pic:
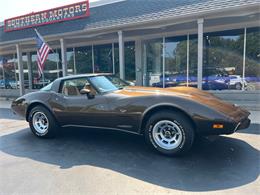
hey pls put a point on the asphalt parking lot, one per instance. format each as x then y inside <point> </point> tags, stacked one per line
<point>93,162</point>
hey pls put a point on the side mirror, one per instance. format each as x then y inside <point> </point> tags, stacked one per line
<point>87,92</point>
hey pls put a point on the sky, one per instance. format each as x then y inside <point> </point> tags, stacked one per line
<point>12,8</point>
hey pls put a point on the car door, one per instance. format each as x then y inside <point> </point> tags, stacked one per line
<point>123,114</point>
<point>75,109</point>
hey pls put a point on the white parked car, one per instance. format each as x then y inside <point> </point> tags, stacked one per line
<point>236,82</point>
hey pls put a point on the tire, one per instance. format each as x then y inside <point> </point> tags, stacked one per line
<point>238,86</point>
<point>179,129</point>
<point>42,122</point>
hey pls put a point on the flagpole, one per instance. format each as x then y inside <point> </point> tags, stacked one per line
<point>43,78</point>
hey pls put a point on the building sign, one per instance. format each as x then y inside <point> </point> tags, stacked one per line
<point>68,12</point>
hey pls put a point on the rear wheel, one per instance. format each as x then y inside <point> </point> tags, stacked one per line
<point>42,122</point>
<point>238,86</point>
<point>169,132</point>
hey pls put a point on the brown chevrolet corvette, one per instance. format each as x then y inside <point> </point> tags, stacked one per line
<point>169,119</point>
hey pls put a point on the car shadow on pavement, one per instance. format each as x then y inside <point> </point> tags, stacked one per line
<point>6,113</point>
<point>218,164</point>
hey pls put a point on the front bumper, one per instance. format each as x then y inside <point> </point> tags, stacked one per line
<point>243,124</point>
<point>231,125</point>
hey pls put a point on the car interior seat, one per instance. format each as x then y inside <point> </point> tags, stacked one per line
<point>70,90</point>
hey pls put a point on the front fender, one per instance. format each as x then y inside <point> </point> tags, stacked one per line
<point>195,111</point>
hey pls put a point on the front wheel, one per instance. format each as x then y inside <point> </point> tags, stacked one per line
<point>238,86</point>
<point>42,122</point>
<point>169,133</point>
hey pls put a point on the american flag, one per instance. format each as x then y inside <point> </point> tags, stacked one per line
<point>42,52</point>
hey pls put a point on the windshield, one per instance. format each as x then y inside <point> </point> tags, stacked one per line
<point>107,83</point>
<point>119,83</point>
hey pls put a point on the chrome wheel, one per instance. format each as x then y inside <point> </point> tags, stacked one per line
<point>167,134</point>
<point>40,122</point>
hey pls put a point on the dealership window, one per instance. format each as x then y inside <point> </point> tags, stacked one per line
<point>153,61</point>
<point>181,61</point>
<point>252,59</point>
<point>175,61</point>
<point>103,58</point>
<point>8,66</point>
<point>129,48</point>
<point>130,61</point>
<point>223,60</point>
<point>71,68</point>
<point>179,56</point>
<point>116,59</point>
<point>192,64</point>
<point>51,71</point>
<point>83,60</point>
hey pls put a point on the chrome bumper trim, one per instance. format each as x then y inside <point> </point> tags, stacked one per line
<point>236,128</point>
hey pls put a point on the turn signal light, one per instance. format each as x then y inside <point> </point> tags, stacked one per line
<point>218,126</point>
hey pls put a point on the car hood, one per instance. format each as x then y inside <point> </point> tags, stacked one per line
<point>191,93</point>
<point>188,92</point>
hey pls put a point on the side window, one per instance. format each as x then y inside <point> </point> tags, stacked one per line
<point>72,87</point>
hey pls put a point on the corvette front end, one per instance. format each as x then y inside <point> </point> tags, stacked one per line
<point>228,119</point>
